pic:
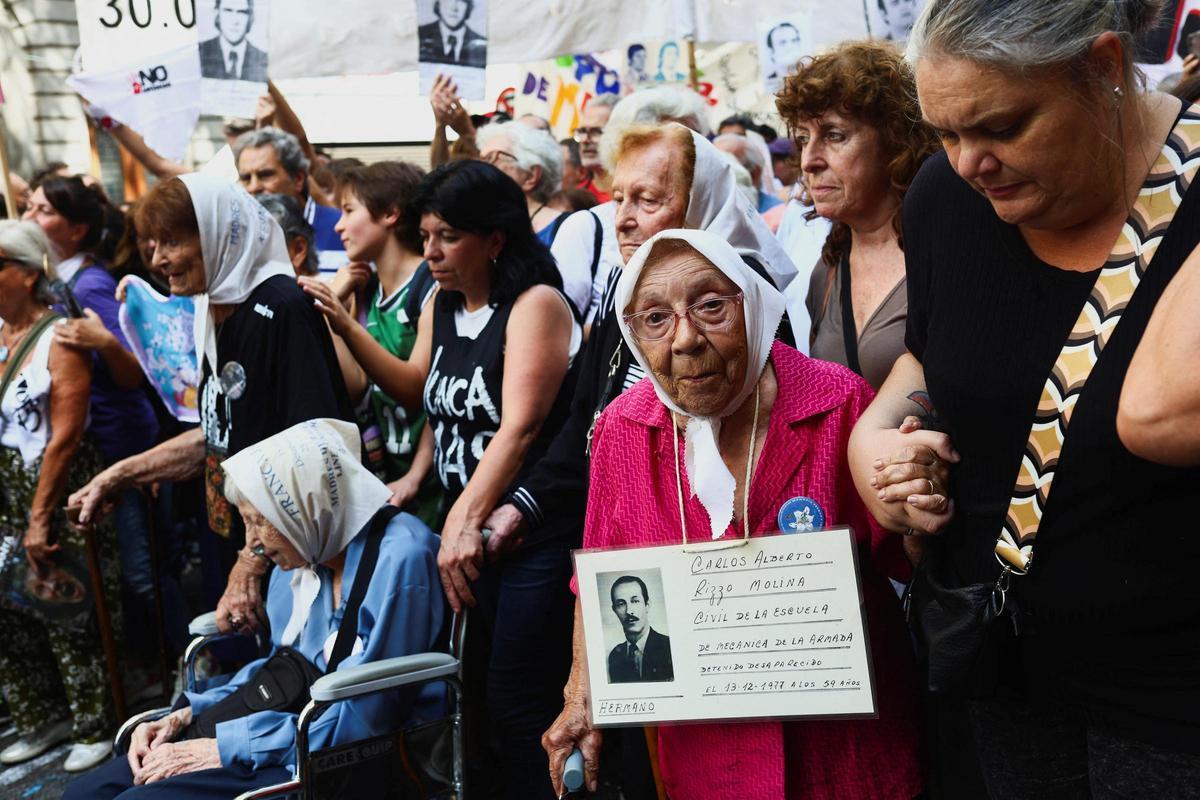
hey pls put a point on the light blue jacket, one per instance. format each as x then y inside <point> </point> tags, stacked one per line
<point>401,614</point>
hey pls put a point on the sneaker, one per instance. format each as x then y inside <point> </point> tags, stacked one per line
<point>35,744</point>
<point>85,756</point>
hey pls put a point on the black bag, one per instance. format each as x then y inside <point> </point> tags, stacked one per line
<point>955,630</point>
<point>415,763</point>
<point>283,681</point>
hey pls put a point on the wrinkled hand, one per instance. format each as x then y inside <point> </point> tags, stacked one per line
<point>573,729</point>
<point>351,278</point>
<point>38,550</point>
<point>169,760</point>
<point>459,558</point>
<point>404,491</point>
<point>86,333</point>
<point>448,109</point>
<point>93,499</point>
<point>240,607</point>
<point>506,524</point>
<point>150,735</point>
<point>918,474</point>
<point>328,304</point>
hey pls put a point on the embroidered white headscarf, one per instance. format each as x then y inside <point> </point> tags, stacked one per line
<point>762,307</point>
<point>310,483</point>
<point>242,245</point>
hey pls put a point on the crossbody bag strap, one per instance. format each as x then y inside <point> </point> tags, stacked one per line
<point>1144,231</point>
<point>348,630</point>
<point>27,344</point>
<point>849,328</point>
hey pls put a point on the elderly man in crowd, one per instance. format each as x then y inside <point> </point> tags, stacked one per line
<point>272,161</point>
<point>591,127</point>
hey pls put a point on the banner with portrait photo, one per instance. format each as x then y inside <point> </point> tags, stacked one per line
<point>1161,54</point>
<point>893,20</point>
<point>782,42</point>
<point>233,43</point>
<point>452,40</point>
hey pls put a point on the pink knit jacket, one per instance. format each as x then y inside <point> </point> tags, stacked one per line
<point>632,500</point>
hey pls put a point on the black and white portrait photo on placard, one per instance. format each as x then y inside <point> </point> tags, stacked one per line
<point>452,41</point>
<point>635,630</point>
<point>782,42</point>
<point>233,37</point>
<point>894,19</point>
<point>230,55</point>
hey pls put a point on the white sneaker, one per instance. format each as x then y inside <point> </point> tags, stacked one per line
<point>85,756</point>
<point>35,744</point>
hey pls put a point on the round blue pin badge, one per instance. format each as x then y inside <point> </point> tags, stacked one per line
<point>801,515</point>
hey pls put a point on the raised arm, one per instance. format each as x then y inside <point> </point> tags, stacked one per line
<point>1159,415</point>
<point>286,120</point>
<point>159,166</point>
<point>900,472</point>
<point>537,341</point>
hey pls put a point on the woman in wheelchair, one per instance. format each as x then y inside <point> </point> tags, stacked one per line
<point>320,516</point>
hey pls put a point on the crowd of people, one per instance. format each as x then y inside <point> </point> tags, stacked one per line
<point>419,392</point>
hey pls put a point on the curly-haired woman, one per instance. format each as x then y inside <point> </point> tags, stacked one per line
<point>856,122</point>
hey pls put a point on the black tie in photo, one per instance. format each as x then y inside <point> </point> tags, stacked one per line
<point>453,41</point>
<point>633,665</point>
<point>233,70</point>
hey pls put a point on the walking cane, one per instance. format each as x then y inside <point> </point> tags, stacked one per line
<point>156,577</point>
<point>106,636</point>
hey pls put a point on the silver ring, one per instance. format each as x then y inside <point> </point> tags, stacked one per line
<point>930,482</point>
<point>235,621</point>
<point>910,532</point>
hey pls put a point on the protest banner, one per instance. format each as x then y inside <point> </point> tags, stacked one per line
<point>159,331</point>
<point>114,32</point>
<point>233,49</point>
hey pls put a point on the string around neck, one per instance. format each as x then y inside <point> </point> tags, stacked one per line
<point>720,544</point>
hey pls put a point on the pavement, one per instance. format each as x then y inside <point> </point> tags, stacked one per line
<point>43,777</point>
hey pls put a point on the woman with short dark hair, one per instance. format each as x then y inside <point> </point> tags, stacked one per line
<point>488,366</point>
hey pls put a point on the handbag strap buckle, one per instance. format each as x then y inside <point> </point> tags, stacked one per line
<point>1000,590</point>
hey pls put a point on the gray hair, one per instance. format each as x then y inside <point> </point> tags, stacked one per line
<point>532,148</point>
<point>290,216</point>
<point>287,148</point>
<point>25,243</point>
<point>1024,35</point>
<point>652,107</point>
<point>751,158</point>
<point>608,99</point>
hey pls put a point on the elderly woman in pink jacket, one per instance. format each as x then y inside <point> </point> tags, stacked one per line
<point>736,411</point>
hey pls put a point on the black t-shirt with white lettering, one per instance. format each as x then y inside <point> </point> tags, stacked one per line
<point>464,394</point>
<point>291,374</point>
<point>1114,604</point>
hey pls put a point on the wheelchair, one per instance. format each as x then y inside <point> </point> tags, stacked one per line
<point>425,761</point>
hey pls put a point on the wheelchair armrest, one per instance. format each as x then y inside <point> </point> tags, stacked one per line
<point>121,740</point>
<point>376,676</point>
<point>204,625</point>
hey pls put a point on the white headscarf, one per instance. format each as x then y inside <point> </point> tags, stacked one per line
<point>242,245</point>
<point>716,205</point>
<point>762,308</point>
<point>310,483</point>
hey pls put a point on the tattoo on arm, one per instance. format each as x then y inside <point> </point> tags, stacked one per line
<point>928,415</point>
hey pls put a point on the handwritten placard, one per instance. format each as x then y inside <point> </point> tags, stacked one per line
<point>772,629</point>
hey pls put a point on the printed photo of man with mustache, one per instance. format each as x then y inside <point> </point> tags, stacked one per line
<point>645,655</point>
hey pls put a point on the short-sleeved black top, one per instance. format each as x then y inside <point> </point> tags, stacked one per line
<point>1113,593</point>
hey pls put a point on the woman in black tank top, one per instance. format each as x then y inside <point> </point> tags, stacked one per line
<point>488,368</point>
